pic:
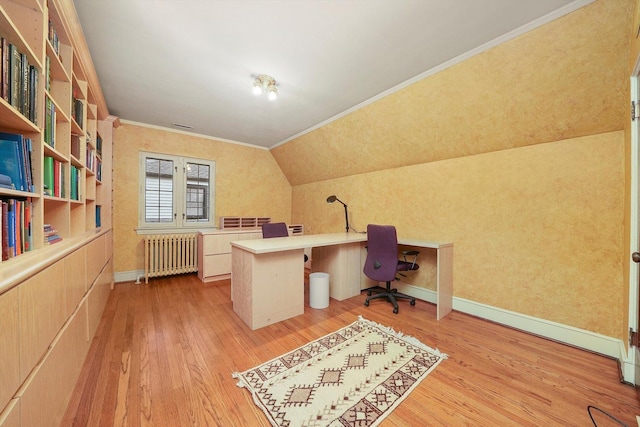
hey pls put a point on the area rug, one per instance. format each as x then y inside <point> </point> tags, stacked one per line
<point>353,377</point>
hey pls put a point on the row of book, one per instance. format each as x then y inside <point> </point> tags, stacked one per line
<point>16,169</point>
<point>98,142</point>
<point>75,183</point>
<point>98,216</point>
<point>15,227</point>
<point>92,158</point>
<point>50,122</point>
<point>18,80</point>
<point>99,170</point>
<point>51,235</point>
<point>77,111</point>
<point>52,35</point>
<point>54,177</point>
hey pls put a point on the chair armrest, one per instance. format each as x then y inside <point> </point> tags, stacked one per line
<point>412,253</point>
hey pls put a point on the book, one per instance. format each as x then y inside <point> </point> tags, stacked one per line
<point>10,162</point>
<point>28,148</point>
<point>98,216</point>
<point>11,229</point>
<point>75,146</point>
<point>74,181</point>
<point>28,237</point>
<point>24,85</point>
<point>5,230</point>
<point>50,123</point>
<point>24,171</point>
<point>18,214</point>
<point>15,76</point>
<point>48,175</point>
<point>33,95</point>
<point>57,167</point>
<point>4,87</point>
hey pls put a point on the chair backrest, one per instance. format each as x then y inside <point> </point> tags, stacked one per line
<point>382,253</point>
<point>274,229</point>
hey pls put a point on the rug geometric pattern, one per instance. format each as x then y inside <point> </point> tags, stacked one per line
<point>353,377</point>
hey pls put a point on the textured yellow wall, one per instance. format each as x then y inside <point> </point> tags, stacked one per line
<point>517,155</point>
<point>536,230</point>
<point>248,182</point>
<point>563,80</point>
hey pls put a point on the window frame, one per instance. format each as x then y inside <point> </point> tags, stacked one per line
<point>179,193</point>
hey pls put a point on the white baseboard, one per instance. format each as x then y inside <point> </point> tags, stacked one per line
<point>128,276</point>
<point>570,335</point>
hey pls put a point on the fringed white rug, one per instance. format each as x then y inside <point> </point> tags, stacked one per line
<point>353,377</point>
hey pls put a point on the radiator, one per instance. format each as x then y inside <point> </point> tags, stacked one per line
<point>168,254</point>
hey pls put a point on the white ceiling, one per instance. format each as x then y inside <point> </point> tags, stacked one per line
<point>192,62</point>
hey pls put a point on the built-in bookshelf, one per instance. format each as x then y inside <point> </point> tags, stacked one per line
<point>56,268</point>
<point>47,101</point>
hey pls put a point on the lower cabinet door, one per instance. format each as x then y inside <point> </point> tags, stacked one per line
<point>215,265</point>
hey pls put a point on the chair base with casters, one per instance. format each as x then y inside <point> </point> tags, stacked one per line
<point>392,296</point>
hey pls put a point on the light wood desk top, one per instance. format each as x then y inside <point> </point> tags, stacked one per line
<point>277,244</point>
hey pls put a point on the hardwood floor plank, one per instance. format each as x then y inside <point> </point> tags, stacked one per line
<point>167,351</point>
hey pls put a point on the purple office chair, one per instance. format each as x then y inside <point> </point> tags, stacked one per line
<point>274,229</point>
<point>277,229</point>
<point>382,264</point>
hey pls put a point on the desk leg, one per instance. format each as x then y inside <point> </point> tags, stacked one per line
<point>445,281</point>
<point>342,262</point>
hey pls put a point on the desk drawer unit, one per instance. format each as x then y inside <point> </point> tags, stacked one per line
<point>214,253</point>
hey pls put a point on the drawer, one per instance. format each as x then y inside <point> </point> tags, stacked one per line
<point>215,265</point>
<point>218,243</point>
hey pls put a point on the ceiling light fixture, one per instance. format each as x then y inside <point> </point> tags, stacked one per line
<point>265,84</point>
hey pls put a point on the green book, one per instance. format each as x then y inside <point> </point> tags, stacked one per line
<point>48,175</point>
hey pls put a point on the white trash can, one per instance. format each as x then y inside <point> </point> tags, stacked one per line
<point>319,290</point>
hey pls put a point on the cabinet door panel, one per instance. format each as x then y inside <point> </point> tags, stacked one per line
<point>74,277</point>
<point>215,265</point>
<point>9,345</point>
<point>42,314</point>
<point>48,389</point>
<point>11,415</point>
<point>96,258</point>
<point>98,296</point>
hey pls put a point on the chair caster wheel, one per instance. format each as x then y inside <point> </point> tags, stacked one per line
<point>368,293</point>
<point>413,302</point>
<point>395,310</point>
<point>366,303</point>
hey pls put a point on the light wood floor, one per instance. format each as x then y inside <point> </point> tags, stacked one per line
<point>164,354</point>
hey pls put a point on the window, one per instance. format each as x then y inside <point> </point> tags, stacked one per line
<point>178,192</point>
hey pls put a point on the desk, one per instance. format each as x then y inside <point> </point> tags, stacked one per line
<point>267,275</point>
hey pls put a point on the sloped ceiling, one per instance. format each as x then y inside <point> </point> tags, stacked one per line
<point>192,62</point>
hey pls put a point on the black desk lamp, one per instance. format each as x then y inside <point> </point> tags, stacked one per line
<point>332,199</point>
